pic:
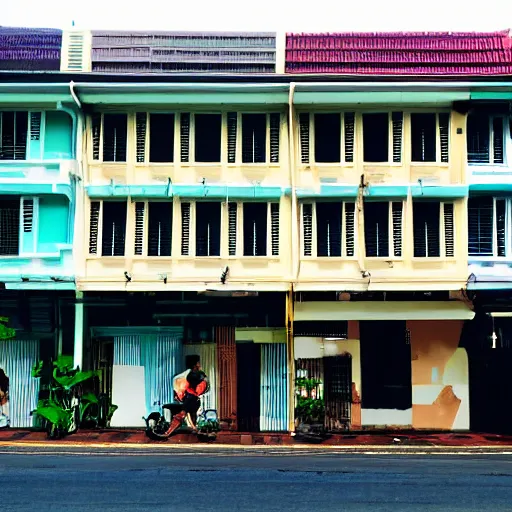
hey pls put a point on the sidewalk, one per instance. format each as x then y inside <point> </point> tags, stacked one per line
<point>399,438</point>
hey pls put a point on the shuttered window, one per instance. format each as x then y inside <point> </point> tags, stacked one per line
<point>397,222</point>
<point>423,137</point>
<point>115,133</point>
<point>307,228</point>
<point>94,222</point>
<point>113,228</point>
<point>397,119</point>
<point>232,228</point>
<point>159,228</point>
<point>255,229</point>
<point>485,139</point>
<point>28,214</point>
<point>208,217</point>
<point>140,135</point>
<point>207,137</point>
<point>349,124</point>
<point>185,137</point>
<point>161,138</point>
<point>9,226</point>
<point>275,137</point>
<point>35,125</point>
<point>304,137</point>
<point>254,138</point>
<point>328,229</point>
<point>274,228</point>
<point>376,229</point>
<point>487,226</point>
<point>232,132</point>
<point>376,137</point>
<point>429,217</point>
<point>185,229</point>
<point>13,135</point>
<point>140,211</point>
<point>327,138</point>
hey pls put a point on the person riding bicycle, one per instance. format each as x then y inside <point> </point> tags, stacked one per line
<point>190,386</point>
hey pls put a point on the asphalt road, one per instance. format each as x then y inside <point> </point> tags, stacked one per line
<point>189,480</point>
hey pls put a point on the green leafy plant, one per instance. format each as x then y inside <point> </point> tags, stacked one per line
<point>6,333</point>
<point>308,408</point>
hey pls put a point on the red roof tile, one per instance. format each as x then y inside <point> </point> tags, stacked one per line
<point>423,53</point>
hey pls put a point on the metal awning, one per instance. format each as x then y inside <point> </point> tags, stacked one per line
<point>399,310</point>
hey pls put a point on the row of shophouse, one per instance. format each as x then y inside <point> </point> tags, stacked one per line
<point>336,236</point>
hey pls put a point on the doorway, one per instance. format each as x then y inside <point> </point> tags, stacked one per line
<point>248,357</point>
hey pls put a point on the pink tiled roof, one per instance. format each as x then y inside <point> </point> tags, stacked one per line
<point>407,53</point>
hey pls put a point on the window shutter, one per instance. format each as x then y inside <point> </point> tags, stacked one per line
<point>328,229</point>
<point>397,120</point>
<point>94,227</point>
<point>232,219</point>
<point>159,228</point>
<point>139,227</point>
<point>28,215</point>
<point>35,126</point>
<point>480,226</point>
<point>141,120</point>
<point>449,235</point>
<point>113,228</point>
<point>208,227</point>
<point>426,229</point>
<point>185,229</point>
<point>232,128</point>
<point>444,130</point>
<point>396,212</point>
<point>376,229</point>
<point>307,221</point>
<point>350,234</point>
<point>255,224</point>
<point>275,124</point>
<point>96,136</point>
<point>349,136</point>
<point>304,138</point>
<point>274,226</point>
<point>497,138</point>
<point>185,137</point>
<point>501,227</point>
<point>10,219</point>
<point>478,138</point>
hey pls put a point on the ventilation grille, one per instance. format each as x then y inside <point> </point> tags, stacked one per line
<point>274,220</point>
<point>232,128</point>
<point>349,136</point>
<point>275,123</point>
<point>232,219</point>
<point>397,120</point>
<point>185,137</point>
<point>307,221</point>
<point>449,234</point>
<point>350,228</point>
<point>75,52</point>
<point>185,229</point>
<point>497,140</point>
<point>35,125</point>
<point>444,128</point>
<point>94,227</point>
<point>28,215</point>
<point>141,120</point>
<point>96,136</point>
<point>304,138</point>
<point>139,228</point>
<point>396,212</point>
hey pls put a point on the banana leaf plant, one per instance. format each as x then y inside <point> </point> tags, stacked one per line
<point>6,333</point>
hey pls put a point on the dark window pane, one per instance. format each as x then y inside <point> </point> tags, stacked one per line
<point>328,229</point>
<point>161,137</point>
<point>376,137</point>
<point>207,130</point>
<point>254,138</point>
<point>255,229</point>
<point>208,229</point>
<point>327,138</point>
<point>423,137</point>
<point>376,229</point>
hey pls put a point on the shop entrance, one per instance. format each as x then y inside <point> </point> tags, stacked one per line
<point>248,357</point>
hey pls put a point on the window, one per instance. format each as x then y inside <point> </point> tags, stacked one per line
<point>427,231</point>
<point>207,137</point>
<point>113,227</point>
<point>380,220</point>
<point>113,128</point>
<point>334,229</point>
<point>161,137</point>
<point>327,138</point>
<point>13,135</point>
<point>487,226</point>
<point>376,137</point>
<point>208,217</point>
<point>254,138</point>
<point>426,129</point>
<point>9,226</point>
<point>255,229</point>
<point>485,139</point>
<point>159,228</point>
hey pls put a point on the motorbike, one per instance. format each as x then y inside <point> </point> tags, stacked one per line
<point>206,428</point>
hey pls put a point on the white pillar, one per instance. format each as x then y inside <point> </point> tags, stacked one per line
<point>78,353</point>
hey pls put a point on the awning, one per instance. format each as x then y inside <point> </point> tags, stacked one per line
<point>399,310</point>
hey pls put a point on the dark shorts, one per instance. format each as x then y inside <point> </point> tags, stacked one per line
<point>191,403</point>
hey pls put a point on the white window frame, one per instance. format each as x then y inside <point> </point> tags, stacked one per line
<point>506,143</point>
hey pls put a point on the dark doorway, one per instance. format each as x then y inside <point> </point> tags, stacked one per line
<point>385,365</point>
<point>248,386</point>
<point>338,392</point>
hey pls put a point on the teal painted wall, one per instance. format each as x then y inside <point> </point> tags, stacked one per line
<point>53,223</point>
<point>58,136</point>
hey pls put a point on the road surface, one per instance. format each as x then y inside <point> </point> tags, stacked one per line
<point>223,480</point>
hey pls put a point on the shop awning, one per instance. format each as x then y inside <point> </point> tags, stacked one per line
<point>399,310</point>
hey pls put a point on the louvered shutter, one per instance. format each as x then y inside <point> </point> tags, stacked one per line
<point>10,226</point>
<point>349,136</point>
<point>96,136</point>
<point>94,220</point>
<point>141,120</point>
<point>497,140</point>
<point>35,126</point>
<point>478,138</point>
<point>397,121</point>
<point>396,212</point>
<point>307,222</point>
<point>208,228</point>
<point>232,129</point>
<point>274,228</point>
<point>304,138</point>
<point>185,229</point>
<point>139,227</point>
<point>275,126</point>
<point>113,228</point>
<point>376,229</point>
<point>350,226</point>
<point>232,228</point>
<point>185,137</point>
<point>328,229</point>
<point>28,215</point>
<point>254,138</point>
<point>159,228</point>
<point>480,226</point>
<point>255,229</point>
<point>426,229</point>
<point>501,229</point>
<point>115,133</point>
<point>444,131</point>
<point>449,234</point>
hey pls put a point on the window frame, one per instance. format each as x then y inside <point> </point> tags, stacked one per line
<point>147,140</point>
<point>506,138</point>
<point>145,229</point>
<point>99,241</point>
<point>100,159</point>
<point>29,142</point>
<point>438,161</point>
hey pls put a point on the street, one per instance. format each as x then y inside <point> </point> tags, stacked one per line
<point>198,480</point>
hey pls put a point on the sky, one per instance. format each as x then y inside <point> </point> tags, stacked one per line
<point>261,15</point>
